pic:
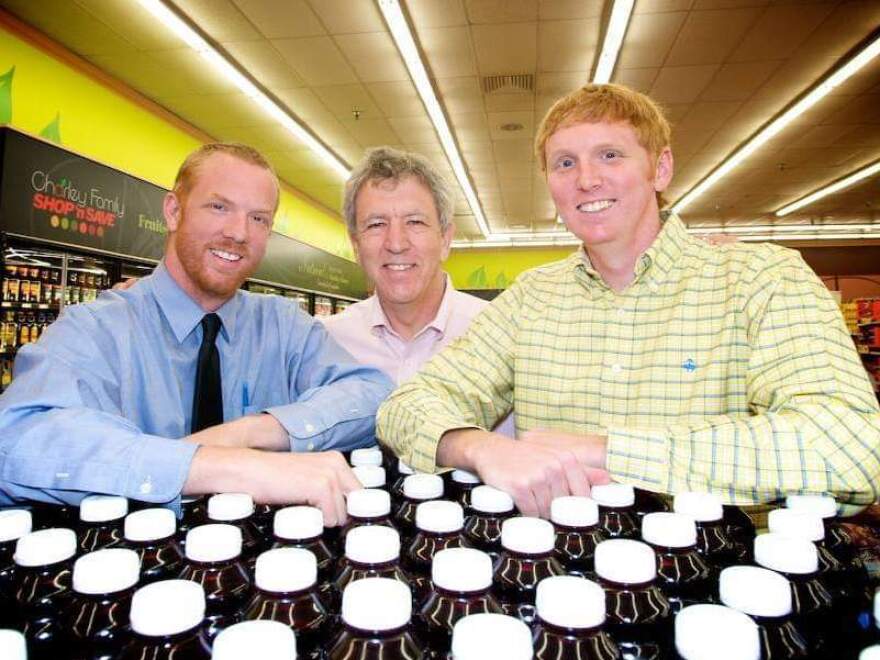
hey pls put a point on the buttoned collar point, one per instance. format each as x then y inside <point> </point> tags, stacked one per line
<point>182,312</point>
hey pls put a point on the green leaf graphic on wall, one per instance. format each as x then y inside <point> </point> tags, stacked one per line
<point>6,96</point>
<point>501,281</point>
<point>52,131</point>
<point>478,279</point>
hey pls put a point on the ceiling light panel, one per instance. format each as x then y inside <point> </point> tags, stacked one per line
<point>846,182</point>
<point>617,24</point>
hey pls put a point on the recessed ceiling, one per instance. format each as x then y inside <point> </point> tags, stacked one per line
<point>721,69</point>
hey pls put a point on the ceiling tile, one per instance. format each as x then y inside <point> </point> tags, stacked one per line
<point>461,95</point>
<point>567,45</point>
<point>317,60</point>
<point>681,84</point>
<point>373,56</point>
<point>499,119</point>
<point>347,17</point>
<point>371,132</point>
<point>649,38</point>
<point>222,19</point>
<point>282,20</point>
<point>737,81</point>
<point>497,102</point>
<point>779,31</point>
<point>510,48</point>
<point>708,37</point>
<point>130,20</point>
<point>396,99</point>
<point>512,150</point>
<point>471,127</point>
<point>639,79</point>
<point>303,102</point>
<point>413,129</point>
<point>501,11</point>
<point>661,6</point>
<point>436,13</point>
<point>448,51</point>
<point>264,63</point>
<point>562,10</point>
<point>343,100</point>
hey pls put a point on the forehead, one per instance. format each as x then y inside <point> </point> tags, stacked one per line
<point>592,133</point>
<point>406,194</point>
<point>225,175</point>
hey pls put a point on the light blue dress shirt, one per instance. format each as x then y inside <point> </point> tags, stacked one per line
<point>100,402</point>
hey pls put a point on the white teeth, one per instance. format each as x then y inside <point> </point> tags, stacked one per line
<point>595,207</point>
<point>400,266</point>
<point>228,256</point>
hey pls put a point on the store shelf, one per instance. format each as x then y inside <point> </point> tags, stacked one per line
<point>868,324</point>
<point>14,304</point>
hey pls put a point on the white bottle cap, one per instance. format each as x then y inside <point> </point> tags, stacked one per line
<point>715,632</point>
<point>372,544</point>
<point>870,653</point>
<point>296,523</point>
<point>44,547</point>
<point>283,570</point>
<point>755,591</point>
<point>168,607</point>
<point>263,639</point>
<point>102,508</point>
<point>106,571</point>
<point>366,456</point>
<point>230,506</point>
<point>484,635</point>
<point>799,524</point>
<point>574,511</point>
<point>669,530</point>
<point>440,516</point>
<point>462,569</point>
<point>368,503</point>
<point>487,499</point>
<point>215,542</point>
<point>613,495</point>
<point>376,603</point>
<point>403,468</point>
<point>14,523</point>
<point>625,561</point>
<point>423,486</point>
<point>554,598</point>
<point>528,536</point>
<point>702,507</point>
<point>370,476</point>
<point>823,506</point>
<point>786,554</point>
<point>12,645</point>
<point>465,477</point>
<point>150,525</point>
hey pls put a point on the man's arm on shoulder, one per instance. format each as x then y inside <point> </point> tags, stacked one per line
<point>815,423</point>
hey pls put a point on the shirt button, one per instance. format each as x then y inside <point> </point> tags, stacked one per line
<point>621,311</point>
<point>311,446</point>
<point>146,488</point>
<point>616,368</point>
<point>309,428</point>
<point>653,285</point>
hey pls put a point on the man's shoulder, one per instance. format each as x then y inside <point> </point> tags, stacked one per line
<point>548,274</point>
<point>353,311</point>
<point>747,256</point>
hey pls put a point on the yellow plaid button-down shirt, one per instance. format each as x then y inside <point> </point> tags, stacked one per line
<point>722,368</point>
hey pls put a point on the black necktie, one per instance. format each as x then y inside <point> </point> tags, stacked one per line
<point>207,407</point>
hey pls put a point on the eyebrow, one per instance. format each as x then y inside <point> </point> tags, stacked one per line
<point>217,197</point>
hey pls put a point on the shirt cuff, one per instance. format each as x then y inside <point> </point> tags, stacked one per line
<point>159,470</point>
<point>310,430</point>
<point>640,457</point>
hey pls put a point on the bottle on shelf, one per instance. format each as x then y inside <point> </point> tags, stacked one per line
<point>417,488</point>
<point>713,538</point>
<point>367,506</point>
<point>618,517</point>
<point>151,533</point>
<point>238,509</point>
<point>460,485</point>
<point>490,507</point>
<point>14,523</point>
<point>303,527</point>
<point>102,518</point>
<point>576,521</point>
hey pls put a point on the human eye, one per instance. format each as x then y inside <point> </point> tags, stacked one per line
<point>374,224</point>
<point>563,163</point>
<point>217,205</point>
<point>262,219</point>
<point>611,154</point>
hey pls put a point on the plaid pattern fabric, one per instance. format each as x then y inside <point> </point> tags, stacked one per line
<point>722,368</point>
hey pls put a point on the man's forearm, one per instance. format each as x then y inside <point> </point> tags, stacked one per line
<point>458,446</point>
<point>252,431</point>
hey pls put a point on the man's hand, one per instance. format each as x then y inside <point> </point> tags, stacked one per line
<point>321,479</point>
<point>533,473</point>
<point>261,431</point>
<point>589,449</point>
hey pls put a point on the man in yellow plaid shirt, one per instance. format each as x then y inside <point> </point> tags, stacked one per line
<point>648,356</point>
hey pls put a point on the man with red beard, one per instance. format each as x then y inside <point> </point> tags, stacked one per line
<point>183,384</point>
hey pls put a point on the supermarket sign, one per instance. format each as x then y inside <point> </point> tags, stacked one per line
<point>50,194</point>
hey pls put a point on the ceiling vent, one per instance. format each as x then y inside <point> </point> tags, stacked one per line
<point>523,82</point>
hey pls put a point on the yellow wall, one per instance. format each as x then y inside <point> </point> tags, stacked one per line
<point>496,269</point>
<point>42,95</point>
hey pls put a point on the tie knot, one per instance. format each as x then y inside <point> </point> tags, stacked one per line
<point>210,326</point>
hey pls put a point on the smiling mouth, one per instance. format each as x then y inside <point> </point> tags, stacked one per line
<point>399,267</point>
<point>226,256</point>
<point>595,207</point>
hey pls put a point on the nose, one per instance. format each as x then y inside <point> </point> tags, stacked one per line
<point>588,176</point>
<point>396,236</point>
<point>236,227</point>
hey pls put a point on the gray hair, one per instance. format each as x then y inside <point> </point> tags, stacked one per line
<point>388,164</point>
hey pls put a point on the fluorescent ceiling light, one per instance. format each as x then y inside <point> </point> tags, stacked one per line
<point>228,70</point>
<point>830,189</point>
<point>802,228</point>
<point>816,94</point>
<point>617,25</point>
<point>406,46</point>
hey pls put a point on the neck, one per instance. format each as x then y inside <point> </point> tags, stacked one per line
<point>207,301</point>
<point>409,319</point>
<point>616,263</point>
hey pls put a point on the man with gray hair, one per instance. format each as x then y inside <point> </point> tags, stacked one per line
<point>398,210</point>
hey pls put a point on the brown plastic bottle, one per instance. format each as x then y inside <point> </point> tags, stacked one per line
<point>238,509</point>
<point>702,630</point>
<point>526,559</point>
<point>576,521</point>
<point>460,486</point>
<point>648,502</point>
<point>151,533</point>
<point>396,489</point>
<point>370,551</point>
<point>713,540</point>
<point>214,561</point>
<point>618,518</point>
<point>303,527</point>
<point>367,506</point>
<point>766,597</point>
<point>14,523</point>
<point>42,583</point>
<point>741,530</point>
<point>683,574</point>
<point>287,592</point>
<point>167,623</point>
<point>258,639</point>
<point>490,507</point>
<point>439,524</point>
<point>569,625</point>
<point>97,622</point>
<point>462,586</point>
<point>489,635</point>
<point>101,519</point>
<point>812,603</point>
<point>194,512</point>
<point>373,633</point>
<point>417,488</point>
<point>639,618</point>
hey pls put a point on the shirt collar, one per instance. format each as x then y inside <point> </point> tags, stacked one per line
<point>378,320</point>
<point>182,312</point>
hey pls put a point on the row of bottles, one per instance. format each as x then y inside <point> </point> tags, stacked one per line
<point>33,284</point>
<point>20,328</point>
